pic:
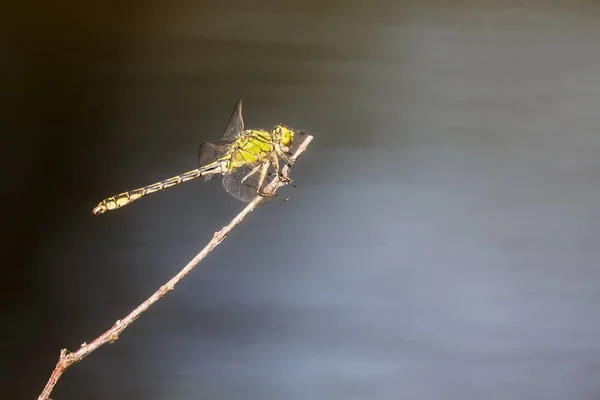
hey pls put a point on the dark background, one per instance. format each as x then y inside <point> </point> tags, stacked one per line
<point>442,243</point>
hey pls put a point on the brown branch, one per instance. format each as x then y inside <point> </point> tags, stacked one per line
<point>67,358</point>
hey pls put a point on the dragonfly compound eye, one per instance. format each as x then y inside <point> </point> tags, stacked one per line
<point>286,135</point>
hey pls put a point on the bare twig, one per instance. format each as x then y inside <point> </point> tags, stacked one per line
<point>67,358</point>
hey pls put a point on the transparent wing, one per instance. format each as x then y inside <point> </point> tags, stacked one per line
<point>243,182</point>
<point>207,153</point>
<point>235,126</point>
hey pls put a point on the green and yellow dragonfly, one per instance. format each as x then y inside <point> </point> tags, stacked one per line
<point>244,160</point>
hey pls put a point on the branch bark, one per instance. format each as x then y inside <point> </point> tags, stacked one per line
<point>67,358</point>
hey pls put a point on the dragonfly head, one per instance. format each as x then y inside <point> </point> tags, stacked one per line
<point>284,135</point>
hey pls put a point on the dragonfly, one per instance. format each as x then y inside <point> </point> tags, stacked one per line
<point>247,159</point>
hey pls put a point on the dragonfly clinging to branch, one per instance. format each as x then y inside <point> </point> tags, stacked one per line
<point>244,159</point>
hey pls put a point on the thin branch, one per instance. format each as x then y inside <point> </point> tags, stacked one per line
<point>67,358</point>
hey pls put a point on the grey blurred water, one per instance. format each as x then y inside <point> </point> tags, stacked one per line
<point>442,241</point>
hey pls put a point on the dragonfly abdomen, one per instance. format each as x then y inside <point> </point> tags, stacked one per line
<point>122,199</point>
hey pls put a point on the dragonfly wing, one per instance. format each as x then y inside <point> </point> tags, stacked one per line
<point>207,153</point>
<point>235,126</point>
<point>243,182</point>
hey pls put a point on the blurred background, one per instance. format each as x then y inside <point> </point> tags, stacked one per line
<point>442,242</point>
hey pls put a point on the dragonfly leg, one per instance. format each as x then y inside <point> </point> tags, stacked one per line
<point>287,159</point>
<point>265,194</point>
<point>282,178</point>
<point>263,174</point>
<point>254,170</point>
<point>285,179</point>
<point>285,155</point>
